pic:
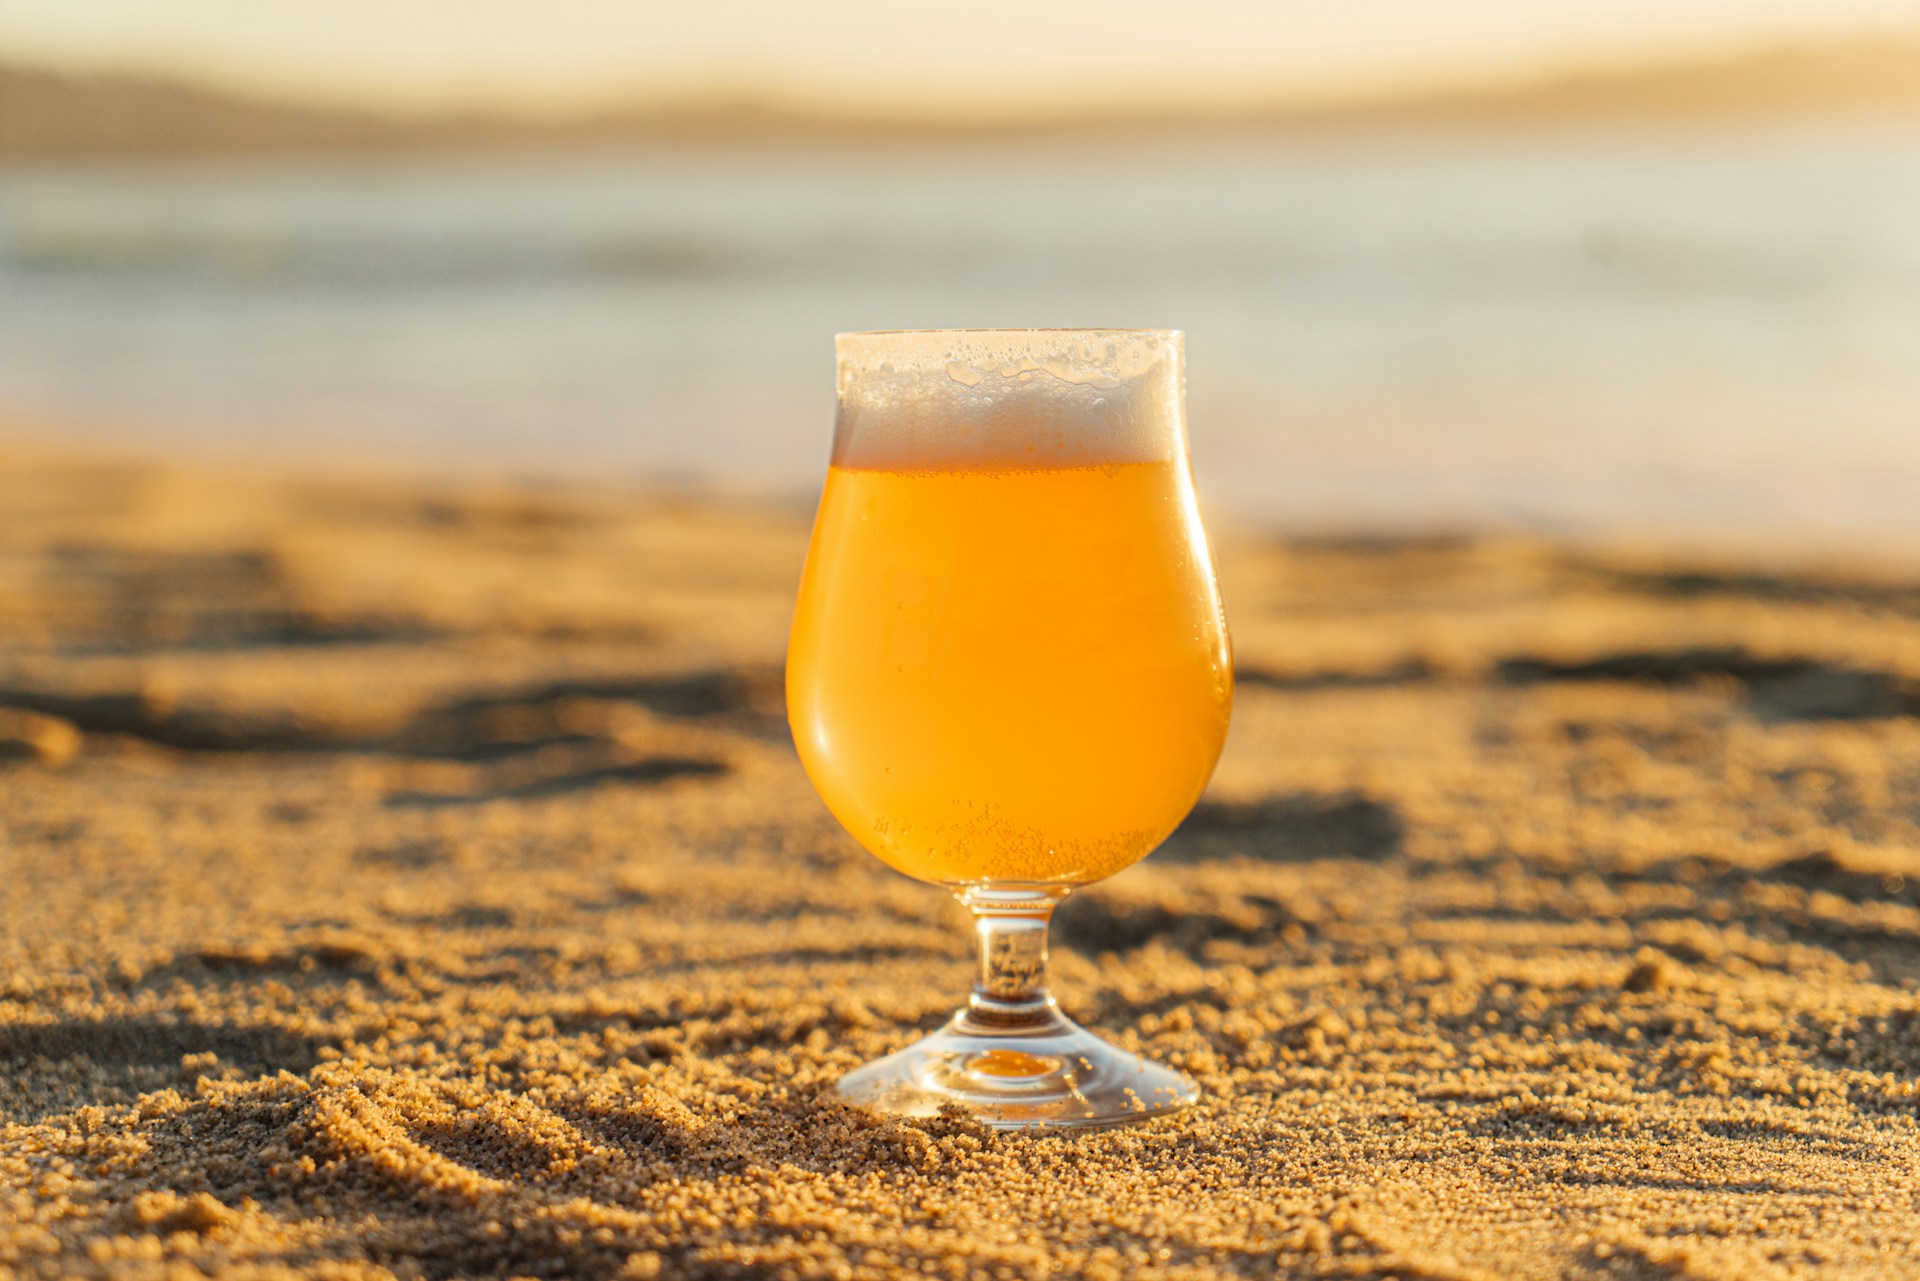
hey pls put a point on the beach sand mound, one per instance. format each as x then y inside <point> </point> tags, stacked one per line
<point>409,882</point>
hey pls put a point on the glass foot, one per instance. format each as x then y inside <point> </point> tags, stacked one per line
<point>1052,1073</point>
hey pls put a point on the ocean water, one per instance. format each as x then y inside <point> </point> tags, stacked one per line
<point>1710,329</point>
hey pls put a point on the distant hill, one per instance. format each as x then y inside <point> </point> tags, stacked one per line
<point>1864,76</point>
<point>44,113</point>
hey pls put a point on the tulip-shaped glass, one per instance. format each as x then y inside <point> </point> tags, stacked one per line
<point>1009,672</point>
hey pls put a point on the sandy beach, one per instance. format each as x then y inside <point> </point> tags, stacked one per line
<point>417,880</point>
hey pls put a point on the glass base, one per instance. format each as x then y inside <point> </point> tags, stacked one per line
<point>1046,1073</point>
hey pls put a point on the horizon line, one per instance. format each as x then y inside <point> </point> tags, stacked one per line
<point>741,96</point>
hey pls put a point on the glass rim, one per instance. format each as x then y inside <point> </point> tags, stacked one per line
<point>1031,329</point>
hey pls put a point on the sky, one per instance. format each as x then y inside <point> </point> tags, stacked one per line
<point>564,55</point>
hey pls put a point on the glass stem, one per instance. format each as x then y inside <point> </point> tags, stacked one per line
<point>1010,991</point>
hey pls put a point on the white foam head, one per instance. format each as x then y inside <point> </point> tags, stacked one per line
<point>934,399</point>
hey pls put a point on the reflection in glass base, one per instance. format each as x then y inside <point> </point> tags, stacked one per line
<point>1054,1074</point>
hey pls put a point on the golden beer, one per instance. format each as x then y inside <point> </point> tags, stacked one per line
<point>1009,674</point>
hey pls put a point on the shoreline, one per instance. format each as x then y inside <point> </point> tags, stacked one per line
<point>1807,549</point>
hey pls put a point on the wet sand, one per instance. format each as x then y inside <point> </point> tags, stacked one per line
<point>404,880</point>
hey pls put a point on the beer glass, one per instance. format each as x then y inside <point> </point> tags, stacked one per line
<point>1009,672</point>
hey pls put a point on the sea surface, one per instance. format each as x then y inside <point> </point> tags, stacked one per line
<point>1714,329</point>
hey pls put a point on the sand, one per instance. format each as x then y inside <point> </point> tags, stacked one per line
<point>417,880</point>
